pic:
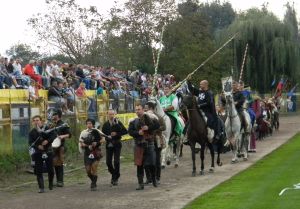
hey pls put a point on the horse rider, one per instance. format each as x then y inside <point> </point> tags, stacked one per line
<point>159,143</point>
<point>206,103</point>
<point>239,101</point>
<point>90,140</point>
<point>142,129</point>
<point>248,101</point>
<point>169,103</point>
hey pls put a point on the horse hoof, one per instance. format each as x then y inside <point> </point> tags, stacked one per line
<point>245,158</point>
<point>201,172</point>
<point>168,162</point>
<point>211,170</point>
<point>220,163</point>
<point>180,155</point>
<point>176,165</point>
<point>163,167</point>
<point>233,161</point>
<point>193,174</point>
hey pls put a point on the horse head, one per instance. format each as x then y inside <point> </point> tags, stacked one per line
<point>229,98</point>
<point>158,109</point>
<point>189,101</point>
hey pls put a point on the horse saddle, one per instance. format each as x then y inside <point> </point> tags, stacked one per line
<point>173,124</point>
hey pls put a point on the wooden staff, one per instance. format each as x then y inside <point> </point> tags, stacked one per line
<point>203,63</point>
<point>157,60</point>
<point>243,64</point>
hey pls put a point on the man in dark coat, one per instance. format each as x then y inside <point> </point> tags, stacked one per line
<point>142,129</point>
<point>206,103</point>
<point>115,130</point>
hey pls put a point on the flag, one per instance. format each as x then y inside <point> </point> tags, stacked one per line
<point>273,83</point>
<point>291,92</point>
<point>279,88</point>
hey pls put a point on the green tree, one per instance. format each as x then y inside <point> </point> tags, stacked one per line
<point>187,43</point>
<point>69,28</point>
<point>133,32</point>
<point>23,51</point>
<point>272,50</point>
<point>220,15</point>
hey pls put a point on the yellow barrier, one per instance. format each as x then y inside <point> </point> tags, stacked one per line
<point>124,118</point>
<point>12,99</point>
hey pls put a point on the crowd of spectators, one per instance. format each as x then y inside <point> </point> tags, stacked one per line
<point>68,82</point>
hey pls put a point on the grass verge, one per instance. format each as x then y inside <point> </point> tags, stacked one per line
<point>258,186</point>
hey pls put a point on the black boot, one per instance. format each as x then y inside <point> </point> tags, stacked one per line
<point>40,181</point>
<point>153,176</point>
<point>94,183</point>
<point>141,183</point>
<point>59,170</point>
<point>50,180</point>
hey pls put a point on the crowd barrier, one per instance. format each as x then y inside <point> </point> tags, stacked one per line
<point>16,110</point>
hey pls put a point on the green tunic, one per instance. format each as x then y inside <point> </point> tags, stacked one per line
<point>167,102</point>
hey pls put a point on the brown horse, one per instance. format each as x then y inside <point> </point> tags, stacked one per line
<point>197,133</point>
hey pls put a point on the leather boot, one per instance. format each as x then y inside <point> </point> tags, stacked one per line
<point>50,180</point>
<point>59,170</point>
<point>94,183</point>
<point>153,177</point>
<point>141,183</point>
<point>40,181</point>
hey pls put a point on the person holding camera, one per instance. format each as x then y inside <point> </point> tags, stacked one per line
<point>41,152</point>
<point>115,130</point>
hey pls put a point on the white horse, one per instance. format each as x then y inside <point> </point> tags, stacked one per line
<point>167,153</point>
<point>238,140</point>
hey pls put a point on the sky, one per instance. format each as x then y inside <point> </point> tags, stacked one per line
<point>14,28</point>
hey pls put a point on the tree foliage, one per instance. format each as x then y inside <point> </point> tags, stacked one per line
<point>272,50</point>
<point>68,27</point>
<point>24,52</point>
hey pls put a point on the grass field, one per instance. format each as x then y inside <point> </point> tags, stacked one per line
<point>258,187</point>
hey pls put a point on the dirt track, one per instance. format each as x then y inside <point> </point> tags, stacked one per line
<point>176,190</point>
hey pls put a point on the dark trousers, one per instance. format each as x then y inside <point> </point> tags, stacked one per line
<point>140,174</point>
<point>158,163</point>
<point>114,169</point>
<point>212,122</point>
<point>154,170</point>
<point>39,167</point>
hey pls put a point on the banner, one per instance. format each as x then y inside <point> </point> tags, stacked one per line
<point>226,83</point>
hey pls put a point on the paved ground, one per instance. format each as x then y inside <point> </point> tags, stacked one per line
<point>176,190</point>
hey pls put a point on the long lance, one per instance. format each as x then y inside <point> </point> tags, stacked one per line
<point>157,61</point>
<point>243,64</point>
<point>203,63</point>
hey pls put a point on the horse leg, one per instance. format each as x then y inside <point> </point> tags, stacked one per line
<point>192,145</point>
<point>202,158</point>
<point>212,155</point>
<point>163,157</point>
<point>246,144</point>
<point>181,147</point>
<point>219,150</point>
<point>234,150</point>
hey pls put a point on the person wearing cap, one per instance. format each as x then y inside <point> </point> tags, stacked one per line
<point>58,158</point>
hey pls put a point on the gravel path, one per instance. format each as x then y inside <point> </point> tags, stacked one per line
<point>176,190</point>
